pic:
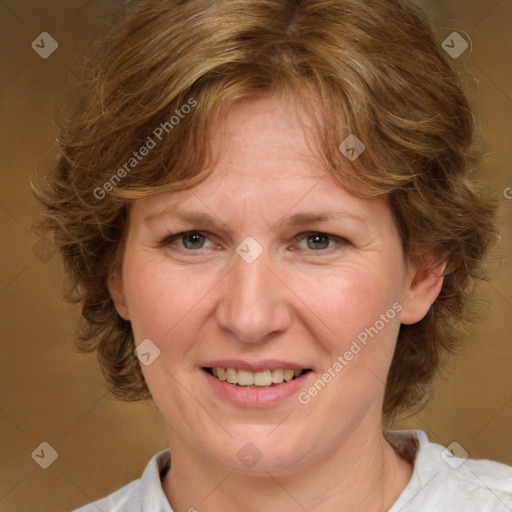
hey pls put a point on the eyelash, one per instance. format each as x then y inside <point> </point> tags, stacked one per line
<point>169,240</point>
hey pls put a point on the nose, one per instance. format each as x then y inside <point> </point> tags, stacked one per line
<point>255,302</point>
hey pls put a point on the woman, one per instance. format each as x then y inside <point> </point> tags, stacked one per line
<point>264,209</point>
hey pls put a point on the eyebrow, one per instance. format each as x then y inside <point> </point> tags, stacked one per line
<point>294,220</point>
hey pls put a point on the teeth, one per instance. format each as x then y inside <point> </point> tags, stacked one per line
<point>251,379</point>
<point>277,376</point>
<point>288,375</point>
<point>263,378</point>
<point>245,378</point>
<point>232,376</point>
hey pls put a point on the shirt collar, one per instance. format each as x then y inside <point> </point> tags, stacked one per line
<point>407,443</point>
<point>151,493</point>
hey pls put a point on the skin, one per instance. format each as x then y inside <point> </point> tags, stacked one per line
<point>295,302</point>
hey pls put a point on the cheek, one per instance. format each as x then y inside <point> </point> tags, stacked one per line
<point>167,304</point>
<point>351,299</point>
<point>359,312</point>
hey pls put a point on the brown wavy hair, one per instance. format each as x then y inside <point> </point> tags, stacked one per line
<point>371,68</point>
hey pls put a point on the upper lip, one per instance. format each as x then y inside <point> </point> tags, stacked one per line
<point>254,366</point>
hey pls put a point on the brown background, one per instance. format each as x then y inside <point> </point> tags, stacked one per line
<point>51,393</point>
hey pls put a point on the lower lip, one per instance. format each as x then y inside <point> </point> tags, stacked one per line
<point>254,397</point>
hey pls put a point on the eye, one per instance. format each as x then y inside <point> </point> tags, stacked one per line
<point>194,241</point>
<point>190,240</point>
<point>317,241</point>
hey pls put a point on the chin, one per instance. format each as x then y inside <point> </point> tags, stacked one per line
<point>259,455</point>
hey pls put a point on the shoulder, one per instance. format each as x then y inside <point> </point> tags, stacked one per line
<point>443,481</point>
<point>145,493</point>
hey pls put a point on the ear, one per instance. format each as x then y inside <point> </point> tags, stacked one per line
<point>423,287</point>
<point>115,286</point>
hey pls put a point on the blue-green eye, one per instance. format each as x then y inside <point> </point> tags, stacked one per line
<point>190,240</point>
<point>317,241</point>
<point>195,239</point>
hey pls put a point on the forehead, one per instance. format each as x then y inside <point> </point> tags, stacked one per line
<point>265,164</point>
<point>266,138</point>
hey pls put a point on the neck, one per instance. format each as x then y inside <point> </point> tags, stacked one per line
<point>364,473</point>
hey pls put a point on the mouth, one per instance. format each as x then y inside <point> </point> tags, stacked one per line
<point>259,380</point>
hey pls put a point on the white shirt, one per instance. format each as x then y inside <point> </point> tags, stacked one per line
<point>440,482</point>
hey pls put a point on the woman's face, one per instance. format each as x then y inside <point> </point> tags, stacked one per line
<point>262,284</point>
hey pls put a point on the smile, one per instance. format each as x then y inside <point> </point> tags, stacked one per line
<point>262,393</point>
<point>261,379</point>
